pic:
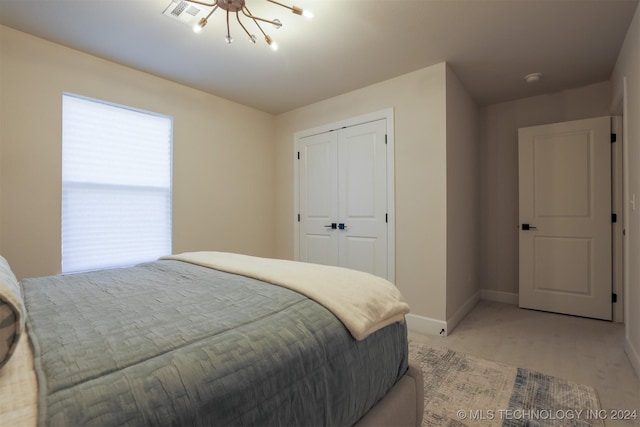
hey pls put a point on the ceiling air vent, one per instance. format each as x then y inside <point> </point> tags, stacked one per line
<point>185,12</point>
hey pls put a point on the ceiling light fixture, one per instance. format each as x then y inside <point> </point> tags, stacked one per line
<point>237,6</point>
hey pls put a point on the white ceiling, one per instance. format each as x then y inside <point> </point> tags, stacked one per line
<point>491,44</point>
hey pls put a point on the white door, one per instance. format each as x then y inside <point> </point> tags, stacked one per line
<point>362,198</point>
<point>318,157</point>
<point>565,217</point>
<point>343,198</point>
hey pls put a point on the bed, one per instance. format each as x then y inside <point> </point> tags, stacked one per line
<point>206,338</point>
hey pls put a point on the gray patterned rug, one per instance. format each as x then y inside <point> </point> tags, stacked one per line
<point>464,390</point>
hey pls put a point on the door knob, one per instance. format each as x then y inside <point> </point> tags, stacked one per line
<point>528,227</point>
<point>333,226</point>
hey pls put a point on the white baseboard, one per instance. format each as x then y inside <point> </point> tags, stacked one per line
<point>633,355</point>
<point>499,296</point>
<point>466,308</point>
<point>425,325</point>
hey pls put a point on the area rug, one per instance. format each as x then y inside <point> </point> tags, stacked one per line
<point>465,390</point>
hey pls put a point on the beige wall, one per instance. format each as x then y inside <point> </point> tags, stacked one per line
<point>463,198</point>
<point>418,100</point>
<point>223,156</point>
<point>627,72</point>
<point>499,166</point>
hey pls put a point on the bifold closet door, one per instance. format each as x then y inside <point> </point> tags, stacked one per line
<point>343,198</point>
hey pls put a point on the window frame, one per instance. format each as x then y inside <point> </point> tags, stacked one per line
<point>165,190</point>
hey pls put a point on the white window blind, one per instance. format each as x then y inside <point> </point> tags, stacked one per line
<point>116,185</point>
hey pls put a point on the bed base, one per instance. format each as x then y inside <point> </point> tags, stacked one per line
<point>402,406</point>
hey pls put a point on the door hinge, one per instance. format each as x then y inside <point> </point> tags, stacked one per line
<point>614,217</point>
<point>386,217</point>
<point>298,155</point>
<point>613,138</point>
<point>298,217</point>
<point>614,298</point>
<point>385,138</point>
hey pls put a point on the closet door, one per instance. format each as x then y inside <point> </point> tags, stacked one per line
<point>343,198</point>
<point>318,210</point>
<point>362,198</point>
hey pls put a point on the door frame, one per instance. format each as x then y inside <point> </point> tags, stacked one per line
<point>618,227</point>
<point>353,121</point>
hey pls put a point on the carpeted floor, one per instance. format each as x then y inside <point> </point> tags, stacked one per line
<point>465,390</point>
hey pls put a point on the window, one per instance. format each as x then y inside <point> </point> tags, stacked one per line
<point>116,185</point>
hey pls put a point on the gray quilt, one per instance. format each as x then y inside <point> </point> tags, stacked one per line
<point>171,343</point>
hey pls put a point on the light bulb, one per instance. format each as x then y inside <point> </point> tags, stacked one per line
<point>271,43</point>
<point>307,14</point>
<point>228,39</point>
<point>253,38</point>
<point>276,23</point>
<point>197,28</point>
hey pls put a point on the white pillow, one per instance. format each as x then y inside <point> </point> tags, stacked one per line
<point>11,312</point>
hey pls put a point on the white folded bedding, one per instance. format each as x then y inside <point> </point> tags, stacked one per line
<point>19,388</point>
<point>363,302</point>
